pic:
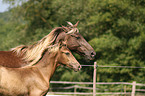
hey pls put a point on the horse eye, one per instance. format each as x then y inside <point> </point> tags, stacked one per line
<point>67,53</point>
<point>78,37</point>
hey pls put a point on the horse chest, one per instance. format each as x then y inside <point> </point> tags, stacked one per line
<point>15,83</point>
<point>10,83</point>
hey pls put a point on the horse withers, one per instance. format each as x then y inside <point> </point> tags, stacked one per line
<point>22,55</point>
<point>33,80</point>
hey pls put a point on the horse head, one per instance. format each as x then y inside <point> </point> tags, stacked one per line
<point>66,58</point>
<point>76,42</point>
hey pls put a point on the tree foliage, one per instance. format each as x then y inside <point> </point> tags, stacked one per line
<point>114,28</point>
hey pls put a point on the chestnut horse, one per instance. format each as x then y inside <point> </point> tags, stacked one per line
<point>34,80</point>
<point>23,55</point>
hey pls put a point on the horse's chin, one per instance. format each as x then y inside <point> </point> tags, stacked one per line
<point>88,59</point>
<point>71,67</point>
<point>76,70</point>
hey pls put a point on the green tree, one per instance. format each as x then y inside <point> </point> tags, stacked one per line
<point>119,26</point>
<point>114,28</point>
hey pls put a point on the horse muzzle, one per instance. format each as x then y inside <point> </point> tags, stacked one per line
<point>75,67</point>
<point>90,56</point>
<point>93,54</point>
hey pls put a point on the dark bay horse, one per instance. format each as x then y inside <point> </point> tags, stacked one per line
<point>23,55</point>
<point>34,80</point>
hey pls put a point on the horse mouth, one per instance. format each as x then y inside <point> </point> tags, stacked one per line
<point>75,68</point>
<point>86,56</point>
<point>70,66</point>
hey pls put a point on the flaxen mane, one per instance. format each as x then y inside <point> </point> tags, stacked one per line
<point>33,53</point>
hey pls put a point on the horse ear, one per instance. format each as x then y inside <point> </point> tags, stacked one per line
<point>76,24</point>
<point>65,28</point>
<point>70,24</point>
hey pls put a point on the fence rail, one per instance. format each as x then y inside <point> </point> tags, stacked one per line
<point>102,83</point>
<point>75,86</point>
<point>94,83</point>
<point>84,93</point>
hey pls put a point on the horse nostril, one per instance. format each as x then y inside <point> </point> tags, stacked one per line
<point>93,54</point>
<point>80,67</point>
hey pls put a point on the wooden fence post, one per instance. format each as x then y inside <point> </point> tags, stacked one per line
<point>75,90</point>
<point>94,80</point>
<point>133,88</point>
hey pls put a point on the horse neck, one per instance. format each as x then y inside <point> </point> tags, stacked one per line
<point>47,65</point>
